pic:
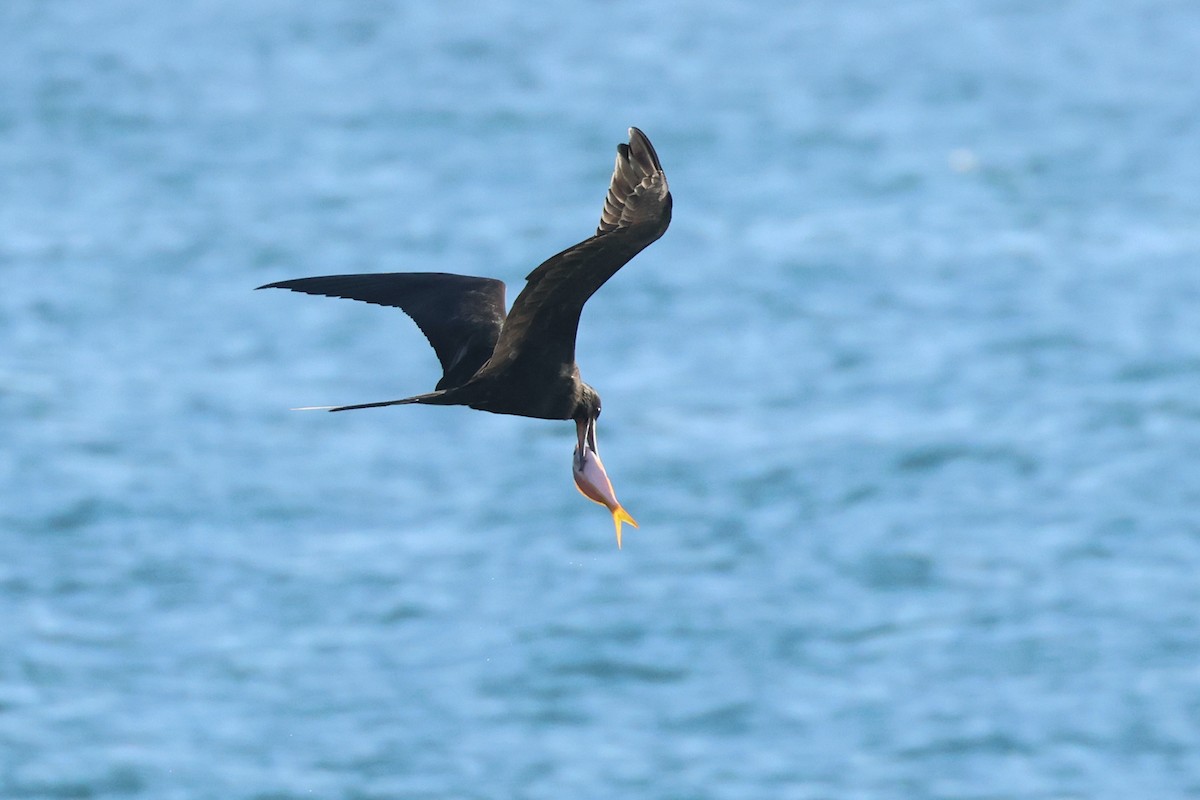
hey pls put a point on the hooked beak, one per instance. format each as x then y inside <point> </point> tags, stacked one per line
<point>591,479</point>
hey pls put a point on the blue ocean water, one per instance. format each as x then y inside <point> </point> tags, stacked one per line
<point>907,403</point>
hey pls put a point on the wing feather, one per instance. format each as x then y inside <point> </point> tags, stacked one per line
<point>638,187</point>
<point>460,315</point>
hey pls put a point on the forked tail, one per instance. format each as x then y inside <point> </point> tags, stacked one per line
<point>430,398</point>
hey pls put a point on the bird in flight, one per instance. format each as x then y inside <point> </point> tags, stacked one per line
<point>523,363</point>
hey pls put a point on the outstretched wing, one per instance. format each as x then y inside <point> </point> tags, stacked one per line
<point>461,316</point>
<point>544,319</point>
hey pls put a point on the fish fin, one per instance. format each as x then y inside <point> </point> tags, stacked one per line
<point>621,515</point>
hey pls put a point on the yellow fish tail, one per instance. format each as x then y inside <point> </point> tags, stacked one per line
<point>621,515</point>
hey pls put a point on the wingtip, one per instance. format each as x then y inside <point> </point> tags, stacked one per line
<point>637,192</point>
<point>640,149</point>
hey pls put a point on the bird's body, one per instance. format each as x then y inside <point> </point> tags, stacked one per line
<point>523,362</point>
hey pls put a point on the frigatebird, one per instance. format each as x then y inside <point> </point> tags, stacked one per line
<point>523,363</point>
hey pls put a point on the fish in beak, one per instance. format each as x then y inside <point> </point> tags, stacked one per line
<point>591,479</point>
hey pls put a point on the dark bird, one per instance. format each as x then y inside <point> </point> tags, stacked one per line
<point>524,363</point>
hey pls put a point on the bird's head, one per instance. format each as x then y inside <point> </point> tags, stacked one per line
<point>590,476</point>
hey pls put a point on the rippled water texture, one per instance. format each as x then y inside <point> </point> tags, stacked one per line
<point>907,403</point>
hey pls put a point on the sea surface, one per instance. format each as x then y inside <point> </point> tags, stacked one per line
<point>906,401</point>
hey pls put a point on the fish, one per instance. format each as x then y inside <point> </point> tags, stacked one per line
<point>591,479</point>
